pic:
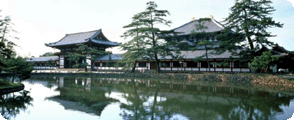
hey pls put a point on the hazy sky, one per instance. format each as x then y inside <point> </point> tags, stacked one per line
<point>45,21</point>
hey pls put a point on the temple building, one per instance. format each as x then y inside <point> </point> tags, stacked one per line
<point>224,62</point>
<point>94,39</point>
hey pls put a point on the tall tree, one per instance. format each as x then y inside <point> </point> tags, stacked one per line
<point>204,39</point>
<point>252,19</point>
<point>135,47</point>
<point>148,33</point>
<point>6,45</point>
<point>247,26</point>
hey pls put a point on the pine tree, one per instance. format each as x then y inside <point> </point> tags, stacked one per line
<point>148,35</point>
<point>246,28</point>
<point>135,47</point>
<point>252,19</point>
<point>6,45</point>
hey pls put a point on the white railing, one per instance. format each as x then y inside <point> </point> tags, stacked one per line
<point>44,68</point>
<point>206,69</point>
<point>117,68</point>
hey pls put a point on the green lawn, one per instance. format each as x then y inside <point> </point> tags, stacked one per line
<point>4,84</point>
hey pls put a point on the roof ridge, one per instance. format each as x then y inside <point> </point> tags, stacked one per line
<point>185,24</point>
<point>84,32</point>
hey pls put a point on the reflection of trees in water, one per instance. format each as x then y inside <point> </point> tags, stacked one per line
<point>259,106</point>
<point>206,103</point>
<point>142,104</point>
<point>12,104</point>
<point>146,103</point>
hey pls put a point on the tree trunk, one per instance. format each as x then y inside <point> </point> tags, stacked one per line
<point>4,31</point>
<point>134,66</point>
<point>157,64</point>
<point>13,77</point>
<point>206,54</point>
<point>247,30</point>
<point>154,102</point>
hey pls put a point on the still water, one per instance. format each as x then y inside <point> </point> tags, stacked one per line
<point>86,98</point>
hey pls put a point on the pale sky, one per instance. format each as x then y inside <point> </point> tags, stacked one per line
<point>45,21</point>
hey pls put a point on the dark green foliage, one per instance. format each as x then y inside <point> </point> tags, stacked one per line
<point>18,66</point>
<point>263,62</point>
<point>246,28</point>
<point>145,42</point>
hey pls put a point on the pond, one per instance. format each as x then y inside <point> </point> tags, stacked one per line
<point>48,97</point>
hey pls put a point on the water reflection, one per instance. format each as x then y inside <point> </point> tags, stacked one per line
<point>79,90</point>
<point>153,102</point>
<point>11,104</point>
<point>159,99</point>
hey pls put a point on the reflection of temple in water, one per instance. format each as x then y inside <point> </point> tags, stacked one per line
<point>195,101</point>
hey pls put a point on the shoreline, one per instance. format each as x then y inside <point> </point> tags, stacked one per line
<point>11,88</point>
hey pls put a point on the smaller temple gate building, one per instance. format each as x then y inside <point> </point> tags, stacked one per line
<point>94,39</point>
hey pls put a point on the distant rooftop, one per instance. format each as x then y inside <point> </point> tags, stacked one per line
<point>43,59</point>
<point>95,36</point>
<point>113,57</point>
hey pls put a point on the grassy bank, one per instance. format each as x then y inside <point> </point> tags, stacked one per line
<point>5,84</point>
<point>7,87</point>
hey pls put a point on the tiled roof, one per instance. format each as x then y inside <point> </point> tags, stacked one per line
<point>113,57</point>
<point>186,29</point>
<point>83,37</point>
<point>43,59</point>
<point>198,53</point>
<point>184,54</point>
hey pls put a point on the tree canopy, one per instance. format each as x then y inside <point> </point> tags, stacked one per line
<point>146,41</point>
<point>247,28</point>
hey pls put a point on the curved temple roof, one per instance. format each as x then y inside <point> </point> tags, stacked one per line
<point>186,29</point>
<point>95,36</point>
